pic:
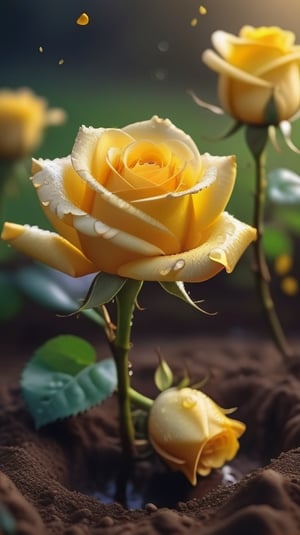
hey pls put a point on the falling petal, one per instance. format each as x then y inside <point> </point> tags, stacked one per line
<point>83,19</point>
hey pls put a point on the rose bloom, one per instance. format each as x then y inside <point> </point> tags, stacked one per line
<point>139,202</point>
<point>191,433</point>
<point>23,117</point>
<point>259,75</point>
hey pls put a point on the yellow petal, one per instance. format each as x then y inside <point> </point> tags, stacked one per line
<point>48,248</point>
<point>223,245</point>
<point>159,130</point>
<point>219,65</point>
<point>109,208</point>
<point>211,200</point>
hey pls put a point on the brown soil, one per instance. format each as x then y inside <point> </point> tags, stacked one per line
<point>48,479</point>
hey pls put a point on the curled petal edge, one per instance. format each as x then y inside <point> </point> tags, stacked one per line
<point>227,240</point>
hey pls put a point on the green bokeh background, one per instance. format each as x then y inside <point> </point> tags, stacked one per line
<point>136,58</point>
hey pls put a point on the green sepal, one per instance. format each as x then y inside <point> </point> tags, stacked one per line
<point>163,376</point>
<point>177,289</point>
<point>102,290</point>
<point>63,379</point>
<point>256,138</point>
<point>271,112</point>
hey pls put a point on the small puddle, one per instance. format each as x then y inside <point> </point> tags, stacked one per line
<point>166,489</point>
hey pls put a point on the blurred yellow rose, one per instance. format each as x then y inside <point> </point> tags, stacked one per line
<point>139,202</point>
<point>191,433</point>
<point>259,70</point>
<point>23,117</point>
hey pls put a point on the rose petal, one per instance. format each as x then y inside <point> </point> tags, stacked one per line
<point>49,248</point>
<point>158,130</point>
<point>219,65</point>
<point>223,245</point>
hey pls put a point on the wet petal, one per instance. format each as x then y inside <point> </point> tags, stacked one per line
<point>222,247</point>
<point>49,248</point>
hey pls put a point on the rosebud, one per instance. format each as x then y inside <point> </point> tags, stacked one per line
<point>192,433</point>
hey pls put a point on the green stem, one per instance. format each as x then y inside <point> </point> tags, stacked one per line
<point>125,299</point>
<point>143,402</point>
<point>261,269</point>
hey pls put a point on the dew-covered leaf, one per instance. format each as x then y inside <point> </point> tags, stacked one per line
<point>63,379</point>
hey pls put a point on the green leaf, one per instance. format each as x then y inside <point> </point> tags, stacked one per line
<point>163,377</point>
<point>276,242</point>
<point>177,289</point>
<point>62,379</point>
<point>284,187</point>
<point>102,290</point>
<point>66,353</point>
<point>55,290</point>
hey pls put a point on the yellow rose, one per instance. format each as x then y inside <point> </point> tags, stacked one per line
<point>23,117</point>
<point>139,202</point>
<point>192,433</point>
<point>259,74</point>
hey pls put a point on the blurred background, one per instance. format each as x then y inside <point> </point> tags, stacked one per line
<point>134,59</point>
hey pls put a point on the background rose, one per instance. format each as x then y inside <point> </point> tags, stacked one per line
<point>258,65</point>
<point>139,202</point>
<point>23,117</point>
<point>192,433</point>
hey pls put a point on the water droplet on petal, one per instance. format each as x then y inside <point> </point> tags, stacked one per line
<point>179,265</point>
<point>189,401</point>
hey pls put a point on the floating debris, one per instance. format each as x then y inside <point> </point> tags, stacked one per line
<point>83,20</point>
<point>194,22</point>
<point>202,10</point>
<point>61,61</point>
<point>41,49</point>
<point>163,46</point>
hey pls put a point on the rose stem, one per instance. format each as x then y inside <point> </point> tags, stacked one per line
<point>261,270</point>
<point>126,299</point>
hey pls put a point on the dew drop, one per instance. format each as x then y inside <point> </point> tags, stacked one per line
<point>163,46</point>
<point>179,265</point>
<point>202,10</point>
<point>189,401</point>
<point>161,74</point>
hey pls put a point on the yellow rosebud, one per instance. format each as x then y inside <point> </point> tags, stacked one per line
<point>140,202</point>
<point>23,117</point>
<point>191,433</point>
<point>259,74</point>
